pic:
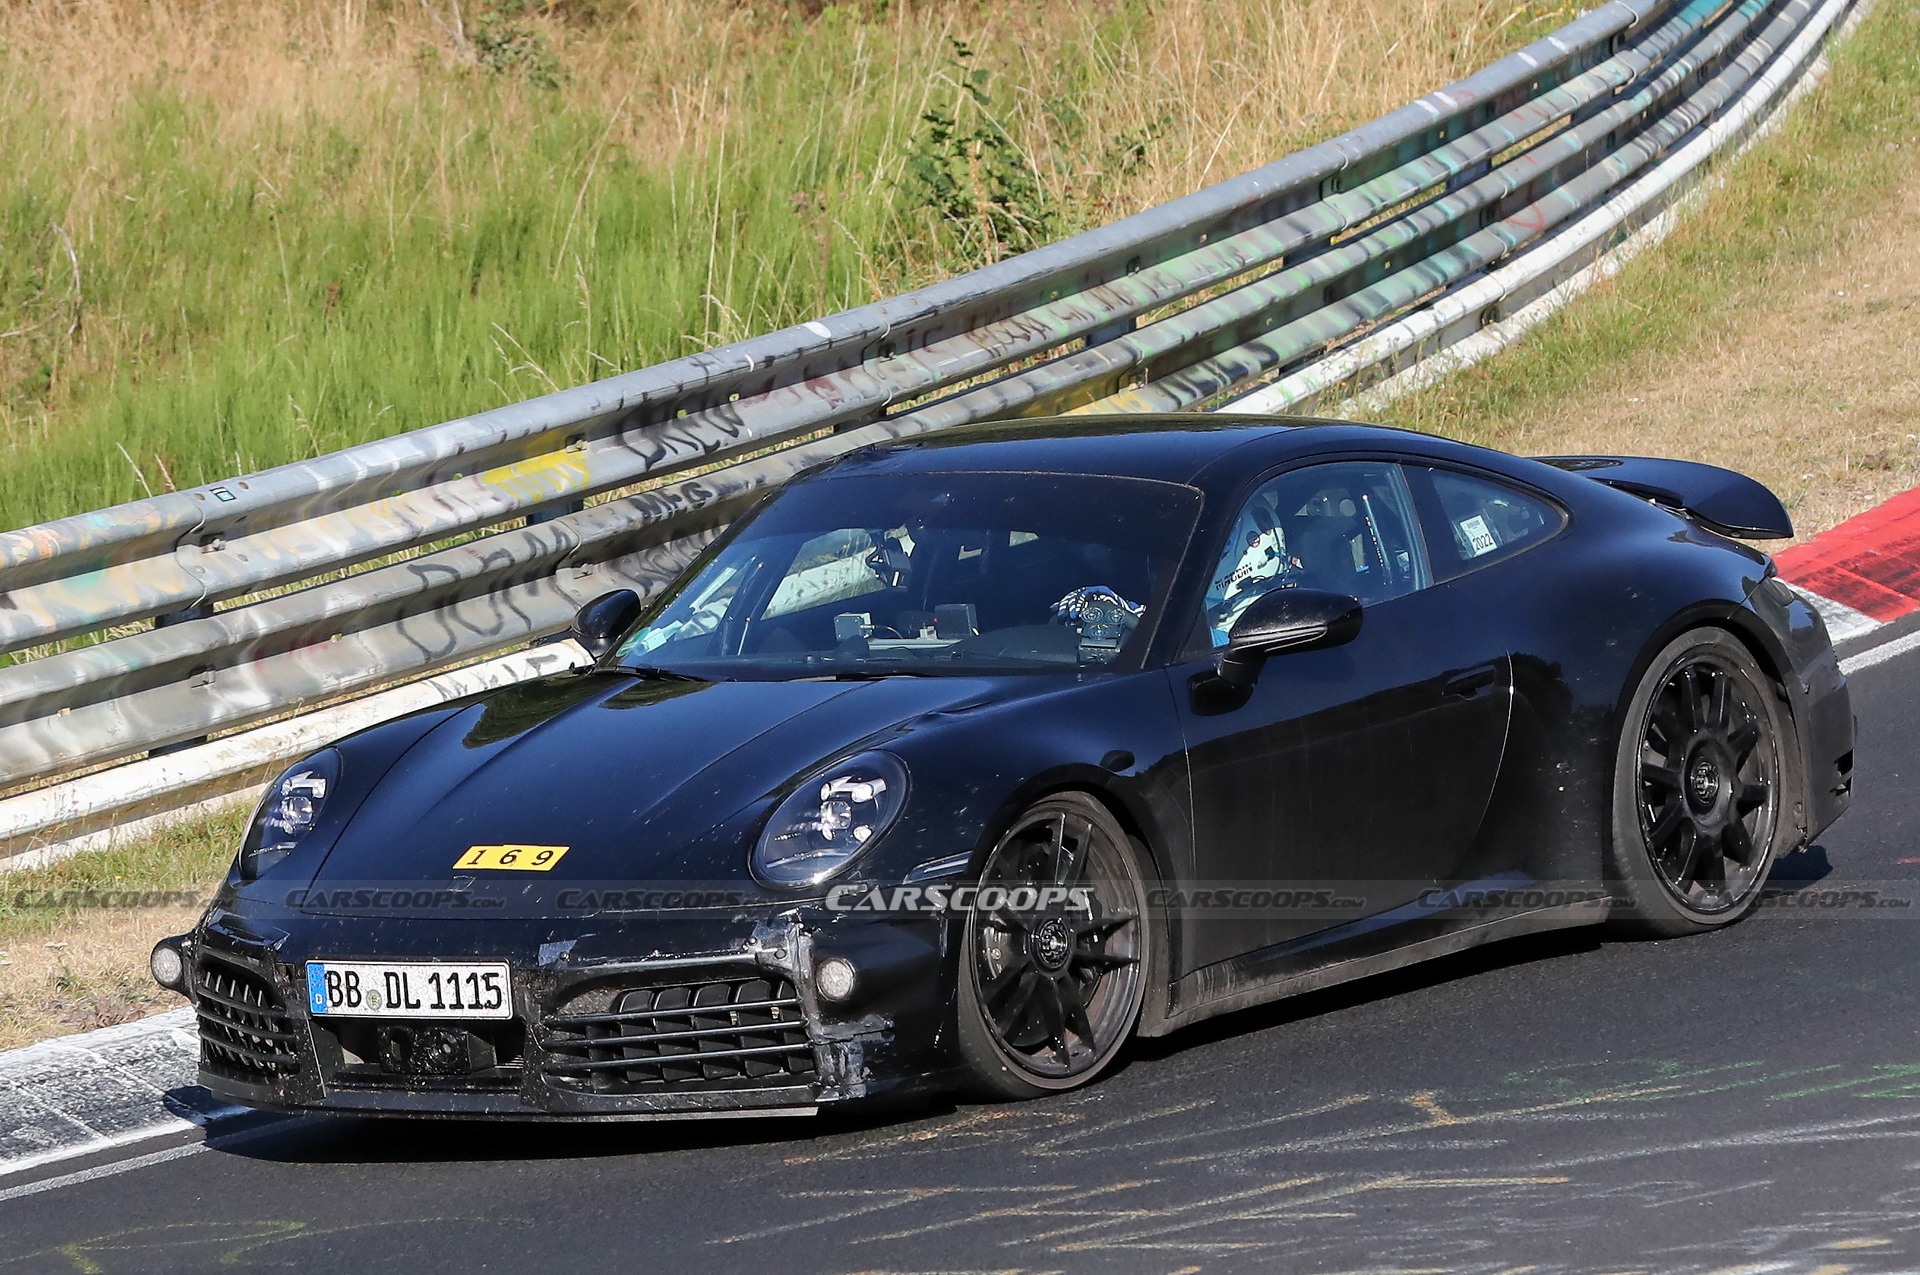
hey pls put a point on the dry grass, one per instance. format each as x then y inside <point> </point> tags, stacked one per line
<point>73,944</point>
<point>1816,393</point>
<point>1776,331</point>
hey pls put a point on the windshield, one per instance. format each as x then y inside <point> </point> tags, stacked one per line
<point>883,574</point>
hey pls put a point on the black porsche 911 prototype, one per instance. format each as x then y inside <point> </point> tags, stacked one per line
<point>959,761</point>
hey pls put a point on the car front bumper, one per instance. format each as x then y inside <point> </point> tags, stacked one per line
<point>723,1019</point>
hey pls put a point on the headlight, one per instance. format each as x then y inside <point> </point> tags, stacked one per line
<point>827,821</point>
<point>289,812</point>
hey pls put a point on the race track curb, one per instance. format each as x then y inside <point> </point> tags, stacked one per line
<point>1863,574</point>
<point>76,1095</point>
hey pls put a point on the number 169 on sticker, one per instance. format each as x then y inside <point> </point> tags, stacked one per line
<point>513,858</point>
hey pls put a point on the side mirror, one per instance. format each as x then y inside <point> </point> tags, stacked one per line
<point>1286,620</point>
<point>599,624</point>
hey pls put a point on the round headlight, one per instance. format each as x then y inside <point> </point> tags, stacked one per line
<point>289,811</point>
<point>830,819</point>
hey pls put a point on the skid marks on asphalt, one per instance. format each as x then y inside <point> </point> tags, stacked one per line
<point>1418,1180</point>
<point>208,1243</point>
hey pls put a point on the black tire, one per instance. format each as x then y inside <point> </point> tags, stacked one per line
<point>1048,996</point>
<point>1700,789</point>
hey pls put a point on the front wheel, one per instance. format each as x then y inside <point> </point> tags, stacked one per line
<point>1052,962</point>
<point>1699,788</point>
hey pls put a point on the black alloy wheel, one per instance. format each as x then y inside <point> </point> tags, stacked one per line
<point>1052,964</point>
<point>1701,788</point>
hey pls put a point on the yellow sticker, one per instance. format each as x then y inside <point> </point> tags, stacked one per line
<point>517,858</point>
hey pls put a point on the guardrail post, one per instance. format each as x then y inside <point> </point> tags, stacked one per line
<point>1112,331</point>
<point>198,611</point>
<point>548,514</point>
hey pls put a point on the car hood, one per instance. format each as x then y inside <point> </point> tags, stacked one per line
<point>642,781</point>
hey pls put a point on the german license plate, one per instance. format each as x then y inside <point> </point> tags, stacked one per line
<point>361,989</point>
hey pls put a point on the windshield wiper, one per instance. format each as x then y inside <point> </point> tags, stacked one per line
<point>654,673</point>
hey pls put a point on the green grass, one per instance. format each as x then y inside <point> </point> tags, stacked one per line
<point>188,859</point>
<point>314,295</point>
<point>291,234</point>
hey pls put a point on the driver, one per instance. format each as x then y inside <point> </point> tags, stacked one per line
<point>1262,564</point>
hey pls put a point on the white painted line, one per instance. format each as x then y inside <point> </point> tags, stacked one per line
<point>172,1124</point>
<point>167,1123</point>
<point>102,1171</point>
<point>152,1158</point>
<point>80,1095</point>
<point>1880,654</point>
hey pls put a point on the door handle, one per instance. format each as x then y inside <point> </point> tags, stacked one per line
<point>1470,683</point>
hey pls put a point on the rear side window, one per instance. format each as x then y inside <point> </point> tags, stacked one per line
<point>1471,521</point>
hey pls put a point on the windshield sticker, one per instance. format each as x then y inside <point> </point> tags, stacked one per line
<point>1477,536</point>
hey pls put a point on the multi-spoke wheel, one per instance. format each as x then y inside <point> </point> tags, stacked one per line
<point>1701,788</point>
<point>1052,962</point>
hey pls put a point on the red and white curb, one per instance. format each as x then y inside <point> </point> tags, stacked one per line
<point>1863,576</point>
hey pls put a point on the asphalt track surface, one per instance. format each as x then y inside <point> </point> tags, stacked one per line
<point>1744,1101</point>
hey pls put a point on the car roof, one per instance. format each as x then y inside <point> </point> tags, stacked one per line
<point>1171,448</point>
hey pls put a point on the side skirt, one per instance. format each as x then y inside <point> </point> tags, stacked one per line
<point>1250,980</point>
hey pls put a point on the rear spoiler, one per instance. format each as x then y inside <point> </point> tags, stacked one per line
<point>1718,499</point>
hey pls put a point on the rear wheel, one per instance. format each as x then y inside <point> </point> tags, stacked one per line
<point>1051,978</point>
<point>1699,788</point>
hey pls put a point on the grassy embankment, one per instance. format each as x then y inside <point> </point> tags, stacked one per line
<point>1777,330</point>
<point>236,235</point>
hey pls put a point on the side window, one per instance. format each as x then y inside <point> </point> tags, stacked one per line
<point>1348,527</point>
<point>1471,521</point>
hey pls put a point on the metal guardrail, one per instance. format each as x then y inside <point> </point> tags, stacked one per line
<point>1307,264</point>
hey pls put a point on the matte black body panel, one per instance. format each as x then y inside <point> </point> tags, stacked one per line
<point>1464,738</point>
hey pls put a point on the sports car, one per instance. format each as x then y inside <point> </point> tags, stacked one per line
<point>957,762</point>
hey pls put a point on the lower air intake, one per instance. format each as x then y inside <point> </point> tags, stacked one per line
<point>245,1032</point>
<point>719,1033</point>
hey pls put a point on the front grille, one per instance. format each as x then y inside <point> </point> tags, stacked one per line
<point>726,1032</point>
<point>245,1032</point>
